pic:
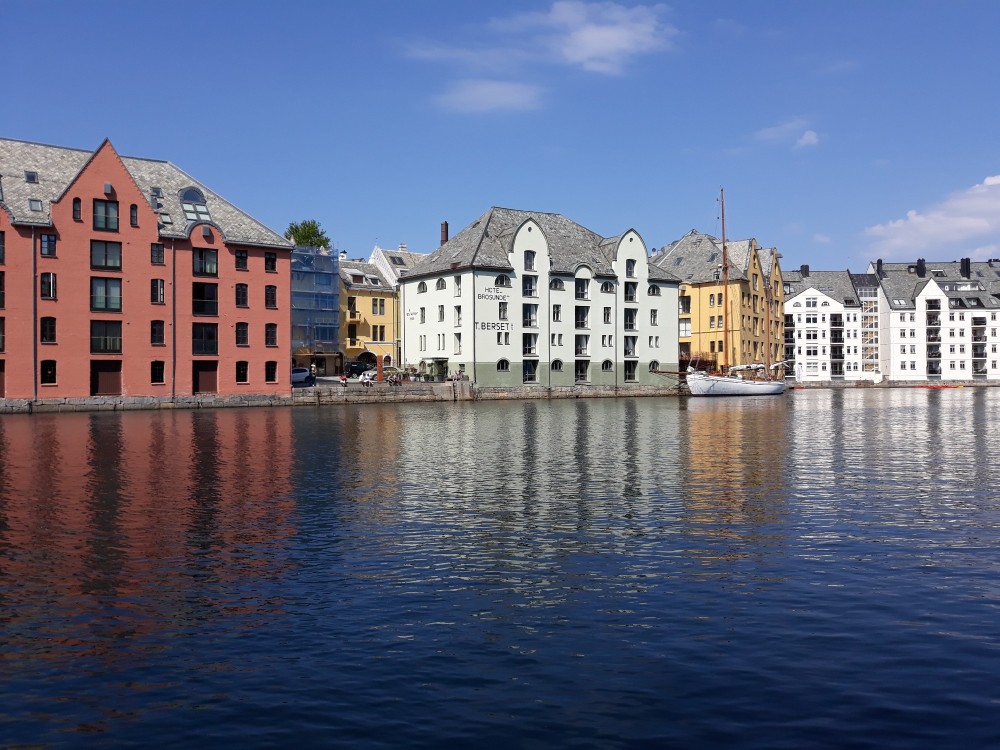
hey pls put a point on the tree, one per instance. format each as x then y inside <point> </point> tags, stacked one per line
<point>307,233</point>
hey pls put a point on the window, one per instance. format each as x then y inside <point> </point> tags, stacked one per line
<point>204,338</point>
<point>205,262</point>
<point>653,291</point>
<point>242,371</point>
<point>242,295</point>
<point>581,371</point>
<point>529,315</point>
<point>440,313</point>
<point>607,366</point>
<point>242,334</point>
<point>156,291</point>
<point>458,315</point>
<point>557,285</point>
<point>654,366</point>
<point>557,365</point>
<point>684,329</point>
<point>582,289</point>
<point>529,286</point>
<point>193,204</point>
<point>421,287</point>
<point>440,284</point>
<point>711,300</point>
<point>3,247</point>
<point>607,314</point>
<point>529,260</point>
<point>156,333</point>
<point>105,256</point>
<point>34,204</point>
<point>582,344</point>
<point>270,334</point>
<point>156,372</point>
<point>529,371</point>
<point>105,337</point>
<point>77,210</point>
<point>156,254</point>
<point>529,343</point>
<point>501,280</point>
<point>631,291</point>
<point>241,260</point>
<point>271,262</point>
<point>503,366</point>
<point>48,286</point>
<point>503,311</point>
<point>48,372</point>
<point>204,299</point>
<point>3,294</point>
<point>133,215</point>
<point>582,316</point>
<point>48,331</point>
<point>106,215</point>
<point>652,317</point>
<point>271,296</point>
<point>608,287</point>
<point>684,305</point>
<point>105,294</point>
<point>630,268</point>
<point>48,245</point>
<point>423,314</point>
<point>271,372</point>
<point>556,313</point>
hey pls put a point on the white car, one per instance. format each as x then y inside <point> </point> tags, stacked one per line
<point>302,376</point>
<point>368,376</point>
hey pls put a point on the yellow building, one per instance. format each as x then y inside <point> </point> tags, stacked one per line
<point>368,320</point>
<point>720,327</point>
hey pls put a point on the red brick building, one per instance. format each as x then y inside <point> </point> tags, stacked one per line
<point>127,277</point>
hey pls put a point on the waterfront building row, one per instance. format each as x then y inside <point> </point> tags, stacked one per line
<point>124,276</point>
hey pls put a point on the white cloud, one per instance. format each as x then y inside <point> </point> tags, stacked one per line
<point>477,96</point>
<point>601,37</point>
<point>808,138</point>
<point>794,132</point>
<point>965,224</point>
<point>822,239</point>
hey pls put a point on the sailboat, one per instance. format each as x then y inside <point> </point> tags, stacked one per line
<point>737,380</point>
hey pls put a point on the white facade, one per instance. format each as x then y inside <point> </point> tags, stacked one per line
<point>527,324</point>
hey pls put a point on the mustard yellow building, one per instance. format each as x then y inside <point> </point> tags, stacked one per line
<point>368,315</point>
<point>720,327</point>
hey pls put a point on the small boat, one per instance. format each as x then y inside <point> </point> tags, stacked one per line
<point>703,384</point>
<point>738,380</point>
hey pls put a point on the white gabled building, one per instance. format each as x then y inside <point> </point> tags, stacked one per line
<point>831,325</point>
<point>529,298</point>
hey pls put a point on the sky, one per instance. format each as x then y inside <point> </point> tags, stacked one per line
<point>842,131</point>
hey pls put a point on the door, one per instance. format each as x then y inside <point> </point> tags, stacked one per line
<point>205,377</point>
<point>105,377</point>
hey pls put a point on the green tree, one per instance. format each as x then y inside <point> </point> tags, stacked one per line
<point>308,233</point>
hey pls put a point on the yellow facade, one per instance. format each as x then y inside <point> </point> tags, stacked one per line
<point>752,309</point>
<point>369,324</point>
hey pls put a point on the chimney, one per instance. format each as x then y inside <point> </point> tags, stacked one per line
<point>804,270</point>
<point>966,267</point>
<point>921,268</point>
<point>343,255</point>
<point>444,232</point>
<point>878,269</point>
<point>402,247</point>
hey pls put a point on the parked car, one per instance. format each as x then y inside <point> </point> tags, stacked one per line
<point>302,376</point>
<point>389,375</point>
<point>354,369</point>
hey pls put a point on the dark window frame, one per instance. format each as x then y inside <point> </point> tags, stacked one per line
<point>47,330</point>
<point>105,215</point>
<point>270,334</point>
<point>157,333</point>
<point>242,260</point>
<point>271,297</point>
<point>103,339</point>
<point>106,281</point>
<point>271,262</point>
<point>205,339</point>
<point>242,333</point>
<point>156,254</point>
<point>242,293</point>
<point>104,265</point>
<point>242,371</point>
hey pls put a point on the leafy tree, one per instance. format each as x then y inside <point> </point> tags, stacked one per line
<point>307,233</point>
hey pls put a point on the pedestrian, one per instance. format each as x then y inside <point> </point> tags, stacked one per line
<point>312,370</point>
<point>343,379</point>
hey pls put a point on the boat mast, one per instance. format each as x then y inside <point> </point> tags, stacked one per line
<point>725,287</point>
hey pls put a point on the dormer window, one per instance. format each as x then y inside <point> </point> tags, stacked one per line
<point>193,203</point>
<point>502,280</point>
<point>421,287</point>
<point>440,284</point>
<point>357,278</point>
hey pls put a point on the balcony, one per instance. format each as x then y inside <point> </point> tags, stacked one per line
<point>355,343</point>
<point>933,355</point>
<point>933,304</point>
<point>933,371</point>
<point>933,321</point>
<point>353,315</point>
<point>836,338</point>
<point>979,322</point>
<point>979,352</point>
<point>978,339</point>
<point>933,337</point>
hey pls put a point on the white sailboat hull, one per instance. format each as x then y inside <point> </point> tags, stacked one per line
<point>701,384</point>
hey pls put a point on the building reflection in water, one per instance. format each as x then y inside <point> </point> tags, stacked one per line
<point>137,524</point>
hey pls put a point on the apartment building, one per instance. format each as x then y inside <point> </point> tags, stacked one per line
<point>124,276</point>
<point>528,298</point>
<point>368,314</point>
<point>315,289</point>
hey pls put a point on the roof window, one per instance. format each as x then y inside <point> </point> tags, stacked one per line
<point>165,219</point>
<point>34,204</point>
<point>397,261</point>
<point>193,203</point>
<point>31,177</point>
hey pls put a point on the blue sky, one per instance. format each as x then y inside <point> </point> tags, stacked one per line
<point>842,131</point>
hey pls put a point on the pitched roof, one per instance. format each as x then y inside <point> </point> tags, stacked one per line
<point>371,278</point>
<point>838,285</point>
<point>696,257</point>
<point>487,242</point>
<point>57,167</point>
<point>902,282</point>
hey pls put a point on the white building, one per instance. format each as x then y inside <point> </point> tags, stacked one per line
<point>528,298</point>
<point>394,264</point>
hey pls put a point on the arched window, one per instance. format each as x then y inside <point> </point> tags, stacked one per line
<point>503,366</point>
<point>557,365</point>
<point>654,366</point>
<point>607,365</point>
<point>441,284</point>
<point>193,203</point>
<point>421,287</point>
<point>654,290</point>
<point>557,284</point>
<point>630,268</point>
<point>502,280</point>
<point>76,210</point>
<point>608,287</point>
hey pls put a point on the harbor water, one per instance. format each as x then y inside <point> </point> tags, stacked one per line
<point>819,569</point>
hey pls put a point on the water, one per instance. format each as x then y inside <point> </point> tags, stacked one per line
<point>813,570</point>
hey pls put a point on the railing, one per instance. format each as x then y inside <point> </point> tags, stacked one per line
<point>933,355</point>
<point>530,351</point>
<point>353,315</point>
<point>581,351</point>
<point>978,353</point>
<point>631,327</point>
<point>934,321</point>
<point>933,304</point>
<point>354,343</point>
<point>933,336</point>
<point>979,338</point>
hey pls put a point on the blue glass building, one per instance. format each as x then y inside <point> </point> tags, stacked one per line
<point>316,310</point>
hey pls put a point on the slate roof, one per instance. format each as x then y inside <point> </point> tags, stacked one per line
<point>487,242</point>
<point>901,284</point>
<point>373,279</point>
<point>57,167</point>
<point>695,257</point>
<point>837,285</point>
